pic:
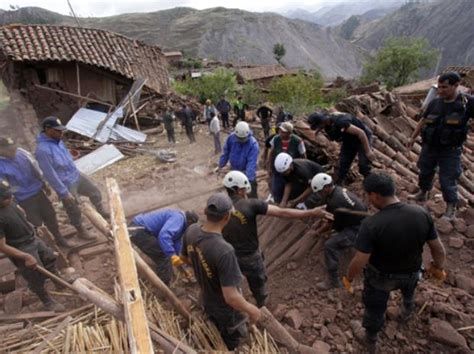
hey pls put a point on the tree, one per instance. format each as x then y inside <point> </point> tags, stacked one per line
<point>399,61</point>
<point>279,52</point>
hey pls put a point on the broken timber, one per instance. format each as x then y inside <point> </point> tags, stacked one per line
<point>135,317</point>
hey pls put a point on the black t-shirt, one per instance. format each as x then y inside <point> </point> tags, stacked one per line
<point>337,130</point>
<point>268,141</point>
<point>241,231</point>
<point>343,198</point>
<point>302,174</point>
<point>214,263</point>
<point>395,237</point>
<point>264,112</point>
<point>14,226</point>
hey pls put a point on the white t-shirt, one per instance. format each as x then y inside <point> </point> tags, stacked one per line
<point>215,126</point>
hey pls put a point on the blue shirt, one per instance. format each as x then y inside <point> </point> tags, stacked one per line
<point>57,164</point>
<point>167,226</point>
<point>242,156</point>
<point>24,179</point>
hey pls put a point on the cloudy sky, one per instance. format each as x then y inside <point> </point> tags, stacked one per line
<point>113,7</point>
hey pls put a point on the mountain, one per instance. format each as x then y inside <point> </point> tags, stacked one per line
<point>227,35</point>
<point>447,25</point>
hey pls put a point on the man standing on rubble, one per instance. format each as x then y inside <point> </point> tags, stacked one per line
<point>241,149</point>
<point>217,272</point>
<point>389,251</point>
<point>159,235</point>
<point>19,242</point>
<point>444,130</point>
<point>188,117</point>
<point>345,224</point>
<point>354,135</point>
<point>239,111</point>
<point>242,233</point>
<point>63,176</point>
<point>19,168</point>
<point>168,121</point>
<point>265,115</point>
<point>224,107</point>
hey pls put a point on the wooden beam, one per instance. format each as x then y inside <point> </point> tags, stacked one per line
<point>78,77</point>
<point>135,317</point>
<point>28,316</point>
<point>73,95</point>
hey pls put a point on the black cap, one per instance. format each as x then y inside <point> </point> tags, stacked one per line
<point>5,191</point>
<point>6,141</point>
<point>191,217</point>
<point>219,204</point>
<point>452,77</point>
<point>53,122</point>
<point>316,119</point>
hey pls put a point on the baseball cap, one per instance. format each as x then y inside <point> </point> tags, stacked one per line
<point>53,122</point>
<point>286,127</point>
<point>6,141</point>
<point>316,119</point>
<point>191,217</point>
<point>5,191</point>
<point>219,204</point>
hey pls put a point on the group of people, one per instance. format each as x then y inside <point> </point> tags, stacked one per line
<point>224,248</point>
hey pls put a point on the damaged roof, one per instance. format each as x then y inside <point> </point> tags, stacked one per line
<point>262,72</point>
<point>108,50</point>
<point>459,69</point>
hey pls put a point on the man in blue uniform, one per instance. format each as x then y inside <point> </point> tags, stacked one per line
<point>443,129</point>
<point>241,149</point>
<point>20,169</point>
<point>63,176</point>
<point>159,235</point>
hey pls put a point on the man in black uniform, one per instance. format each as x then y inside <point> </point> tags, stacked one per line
<point>390,246</point>
<point>265,115</point>
<point>345,225</point>
<point>354,135</point>
<point>224,107</point>
<point>443,129</point>
<point>19,242</point>
<point>297,174</point>
<point>217,272</point>
<point>188,117</point>
<point>242,233</point>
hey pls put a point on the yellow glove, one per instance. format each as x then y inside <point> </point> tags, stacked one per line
<point>437,273</point>
<point>176,261</point>
<point>347,285</point>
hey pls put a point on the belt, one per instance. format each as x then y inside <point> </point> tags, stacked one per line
<point>396,276</point>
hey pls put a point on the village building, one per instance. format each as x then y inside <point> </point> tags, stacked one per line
<point>261,75</point>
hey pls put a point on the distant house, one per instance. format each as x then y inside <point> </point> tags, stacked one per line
<point>261,75</point>
<point>173,57</point>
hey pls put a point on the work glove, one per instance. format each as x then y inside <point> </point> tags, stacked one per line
<point>435,272</point>
<point>176,261</point>
<point>347,285</point>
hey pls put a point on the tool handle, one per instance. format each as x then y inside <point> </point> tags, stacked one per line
<point>55,278</point>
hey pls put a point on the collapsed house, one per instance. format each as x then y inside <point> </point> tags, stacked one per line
<point>261,75</point>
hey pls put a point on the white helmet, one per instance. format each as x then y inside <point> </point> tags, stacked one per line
<point>237,179</point>
<point>283,162</point>
<point>320,181</point>
<point>242,130</point>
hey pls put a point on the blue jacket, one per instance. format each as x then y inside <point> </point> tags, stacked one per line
<point>242,157</point>
<point>57,164</point>
<point>167,226</point>
<point>23,177</point>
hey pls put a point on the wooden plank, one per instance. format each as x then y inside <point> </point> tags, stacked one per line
<point>139,337</point>
<point>50,337</point>
<point>28,316</point>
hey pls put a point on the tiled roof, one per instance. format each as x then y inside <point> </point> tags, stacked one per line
<point>459,69</point>
<point>172,54</point>
<point>262,72</point>
<point>104,49</point>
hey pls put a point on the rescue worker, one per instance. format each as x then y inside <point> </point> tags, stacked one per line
<point>168,120</point>
<point>283,116</point>
<point>242,232</point>
<point>159,235</point>
<point>241,149</point>
<point>224,107</point>
<point>443,129</point>
<point>345,225</point>
<point>239,111</point>
<point>19,168</point>
<point>297,174</point>
<point>63,176</point>
<point>293,145</point>
<point>188,117</point>
<point>19,243</point>
<point>354,135</point>
<point>265,115</point>
<point>209,112</point>
<point>389,250</point>
<point>217,272</point>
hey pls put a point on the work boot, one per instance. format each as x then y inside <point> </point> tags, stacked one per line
<point>367,339</point>
<point>82,233</point>
<point>450,212</point>
<point>406,314</point>
<point>49,303</point>
<point>421,196</point>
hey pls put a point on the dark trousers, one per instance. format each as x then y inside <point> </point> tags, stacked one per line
<point>253,269</point>
<point>225,119</point>
<point>449,161</point>
<point>238,117</point>
<point>377,288</point>
<point>45,258</point>
<point>170,134</point>
<point>278,186</point>
<point>148,244</point>
<point>347,156</point>
<point>231,324</point>
<point>39,211</point>
<point>189,132</point>
<point>254,192</point>
<point>266,127</point>
<point>217,143</point>
<point>83,186</point>
<point>335,245</point>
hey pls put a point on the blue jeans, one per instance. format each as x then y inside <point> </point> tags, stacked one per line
<point>449,161</point>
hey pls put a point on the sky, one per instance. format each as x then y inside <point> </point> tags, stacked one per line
<point>87,8</point>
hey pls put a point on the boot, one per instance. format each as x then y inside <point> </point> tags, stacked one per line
<point>82,233</point>
<point>406,314</point>
<point>332,282</point>
<point>367,339</point>
<point>421,196</point>
<point>49,303</point>
<point>450,212</point>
